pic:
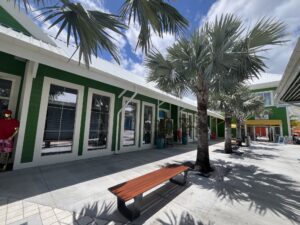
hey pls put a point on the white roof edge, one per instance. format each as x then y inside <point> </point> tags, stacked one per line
<point>264,85</point>
<point>291,71</point>
<point>25,21</point>
<point>52,56</point>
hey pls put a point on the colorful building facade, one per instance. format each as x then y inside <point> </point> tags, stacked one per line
<point>68,112</point>
<point>272,124</point>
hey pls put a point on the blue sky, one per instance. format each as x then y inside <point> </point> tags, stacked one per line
<point>193,10</point>
<point>198,11</point>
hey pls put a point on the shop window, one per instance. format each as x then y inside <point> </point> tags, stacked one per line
<point>148,120</point>
<point>99,122</point>
<point>267,97</point>
<point>163,114</point>
<point>5,94</point>
<point>60,120</point>
<point>130,120</point>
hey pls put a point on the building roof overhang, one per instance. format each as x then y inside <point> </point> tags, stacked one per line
<point>288,90</point>
<point>29,48</point>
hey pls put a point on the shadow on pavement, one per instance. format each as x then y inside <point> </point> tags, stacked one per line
<point>264,191</point>
<point>184,219</point>
<point>151,203</point>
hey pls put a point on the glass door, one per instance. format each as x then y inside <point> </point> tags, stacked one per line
<point>9,90</point>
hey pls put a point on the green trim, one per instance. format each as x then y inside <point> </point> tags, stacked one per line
<point>221,128</point>
<point>7,20</point>
<point>174,116</point>
<point>264,89</point>
<point>165,105</point>
<point>9,64</point>
<point>82,128</point>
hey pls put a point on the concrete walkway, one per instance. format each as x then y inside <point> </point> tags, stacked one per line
<point>260,186</point>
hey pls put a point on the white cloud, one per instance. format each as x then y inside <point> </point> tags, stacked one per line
<point>157,42</point>
<point>161,44</point>
<point>251,11</point>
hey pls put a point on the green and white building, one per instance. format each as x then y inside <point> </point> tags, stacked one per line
<point>68,112</point>
<point>276,122</point>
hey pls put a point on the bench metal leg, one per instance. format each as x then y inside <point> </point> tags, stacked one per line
<point>128,213</point>
<point>183,182</point>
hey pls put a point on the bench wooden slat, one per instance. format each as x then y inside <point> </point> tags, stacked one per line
<point>132,188</point>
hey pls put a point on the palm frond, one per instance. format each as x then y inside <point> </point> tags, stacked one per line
<point>266,31</point>
<point>166,77</point>
<point>88,28</point>
<point>156,15</point>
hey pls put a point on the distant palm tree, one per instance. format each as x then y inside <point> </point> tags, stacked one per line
<point>210,60</point>
<point>246,104</point>
<point>92,29</point>
<point>239,104</point>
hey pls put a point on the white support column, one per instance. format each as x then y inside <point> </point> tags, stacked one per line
<point>29,75</point>
<point>246,131</point>
<point>254,133</point>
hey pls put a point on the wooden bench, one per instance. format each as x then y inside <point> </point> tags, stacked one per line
<point>134,189</point>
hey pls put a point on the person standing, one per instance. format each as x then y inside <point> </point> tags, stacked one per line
<point>8,130</point>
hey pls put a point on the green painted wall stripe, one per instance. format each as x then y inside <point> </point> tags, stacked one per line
<point>221,127</point>
<point>82,128</point>
<point>264,89</point>
<point>174,116</point>
<point>7,20</point>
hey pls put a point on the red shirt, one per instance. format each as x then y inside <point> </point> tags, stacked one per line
<point>8,127</point>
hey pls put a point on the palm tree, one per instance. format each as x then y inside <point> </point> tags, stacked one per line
<point>246,104</point>
<point>92,29</point>
<point>210,59</point>
<point>239,104</point>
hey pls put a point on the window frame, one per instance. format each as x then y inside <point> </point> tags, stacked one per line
<point>272,97</point>
<point>152,127</point>
<point>98,152</point>
<point>57,158</point>
<point>14,92</point>
<point>137,125</point>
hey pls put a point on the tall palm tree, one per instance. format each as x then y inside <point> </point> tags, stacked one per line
<point>246,54</point>
<point>210,59</point>
<point>92,29</point>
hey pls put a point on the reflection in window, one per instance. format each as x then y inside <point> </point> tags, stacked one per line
<point>60,120</point>
<point>5,90</point>
<point>162,114</point>
<point>147,136</point>
<point>267,97</point>
<point>99,122</point>
<point>130,124</point>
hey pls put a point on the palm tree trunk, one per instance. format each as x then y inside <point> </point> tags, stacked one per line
<point>202,161</point>
<point>239,132</point>
<point>228,118</point>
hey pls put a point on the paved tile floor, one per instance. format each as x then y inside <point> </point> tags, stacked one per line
<point>257,185</point>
